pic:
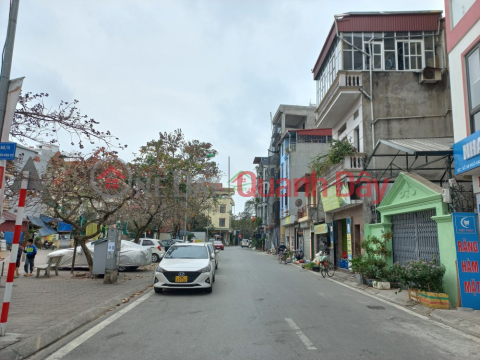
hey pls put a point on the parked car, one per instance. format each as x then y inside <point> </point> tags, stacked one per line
<point>218,245</point>
<point>157,249</point>
<point>131,256</point>
<point>244,243</point>
<point>186,266</point>
<point>214,251</point>
<point>166,244</point>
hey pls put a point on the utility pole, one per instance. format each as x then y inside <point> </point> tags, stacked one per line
<point>186,206</point>
<point>7,59</point>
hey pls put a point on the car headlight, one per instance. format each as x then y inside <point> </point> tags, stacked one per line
<point>159,269</point>
<point>207,269</point>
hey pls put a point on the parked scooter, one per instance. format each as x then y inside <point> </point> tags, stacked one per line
<point>48,245</point>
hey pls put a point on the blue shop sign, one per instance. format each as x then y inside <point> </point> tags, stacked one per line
<point>7,150</point>
<point>468,257</point>
<point>466,153</point>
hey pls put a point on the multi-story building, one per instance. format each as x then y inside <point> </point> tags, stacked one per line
<point>463,46</point>
<point>221,214</point>
<point>294,142</point>
<point>297,148</point>
<point>382,84</point>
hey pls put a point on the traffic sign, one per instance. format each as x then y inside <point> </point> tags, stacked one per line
<point>7,150</point>
<point>34,181</point>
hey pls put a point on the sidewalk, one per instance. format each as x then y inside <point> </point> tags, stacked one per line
<point>43,310</point>
<point>465,320</point>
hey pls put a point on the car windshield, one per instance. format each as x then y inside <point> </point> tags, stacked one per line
<point>187,252</point>
<point>166,242</point>
<point>218,242</point>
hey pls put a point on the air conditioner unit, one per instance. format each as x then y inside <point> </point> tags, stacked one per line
<point>430,75</point>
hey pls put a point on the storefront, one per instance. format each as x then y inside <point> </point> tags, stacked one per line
<point>414,211</point>
<point>321,235</point>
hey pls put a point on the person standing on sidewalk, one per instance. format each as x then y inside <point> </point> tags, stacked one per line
<point>31,251</point>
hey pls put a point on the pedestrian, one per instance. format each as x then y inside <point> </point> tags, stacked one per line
<point>31,251</point>
<point>19,259</point>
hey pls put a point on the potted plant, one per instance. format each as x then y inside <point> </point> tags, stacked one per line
<point>358,268</point>
<point>371,265</point>
<point>425,283</point>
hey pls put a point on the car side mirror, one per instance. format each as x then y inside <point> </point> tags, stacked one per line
<point>212,256</point>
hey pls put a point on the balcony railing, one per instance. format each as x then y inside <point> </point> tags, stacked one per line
<point>345,81</point>
<point>353,164</point>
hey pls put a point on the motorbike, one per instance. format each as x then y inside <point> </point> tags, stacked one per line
<point>48,245</point>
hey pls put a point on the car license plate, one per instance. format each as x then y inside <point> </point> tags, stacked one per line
<point>181,279</point>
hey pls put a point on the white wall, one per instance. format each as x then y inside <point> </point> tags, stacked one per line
<point>456,63</point>
<point>352,124</point>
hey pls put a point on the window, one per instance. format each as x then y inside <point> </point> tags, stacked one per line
<point>473,78</point>
<point>458,8</point>
<point>355,114</point>
<point>221,222</point>
<point>342,129</point>
<point>147,243</point>
<point>223,209</point>
<point>356,135</point>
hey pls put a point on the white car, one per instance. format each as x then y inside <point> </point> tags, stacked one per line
<point>244,243</point>
<point>157,250</point>
<point>186,266</point>
<point>131,256</point>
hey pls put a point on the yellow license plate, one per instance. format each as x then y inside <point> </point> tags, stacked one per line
<point>181,279</point>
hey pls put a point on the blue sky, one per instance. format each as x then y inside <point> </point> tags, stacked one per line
<point>215,68</point>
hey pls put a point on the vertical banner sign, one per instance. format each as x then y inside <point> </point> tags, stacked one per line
<point>349,239</point>
<point>468,256</point>
<point>331,239</point>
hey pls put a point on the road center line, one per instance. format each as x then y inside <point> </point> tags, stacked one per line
<point>88,334</point>
<point>306,341</point>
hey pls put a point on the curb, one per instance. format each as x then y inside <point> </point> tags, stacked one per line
<point>31,345</point>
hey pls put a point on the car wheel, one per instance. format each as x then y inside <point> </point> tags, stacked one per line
<point>155,258</point>
<point>157,290</point>
<point>122,268</point>
<point>210,289</point>
<point>216,266</point>
<point>213,278</point>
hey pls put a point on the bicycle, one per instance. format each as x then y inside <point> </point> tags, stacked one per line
<point>327,268</point>
<point>283,256</point>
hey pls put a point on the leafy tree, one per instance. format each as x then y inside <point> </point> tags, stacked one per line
<point>77,198</point>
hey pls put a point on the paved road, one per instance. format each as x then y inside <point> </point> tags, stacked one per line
<point>260,309</point>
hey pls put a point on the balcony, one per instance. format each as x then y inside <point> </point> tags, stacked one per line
<point>339,97</point>
<point>353,164</point>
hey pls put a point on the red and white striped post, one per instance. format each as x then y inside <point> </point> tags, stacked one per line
<point>13,254</point>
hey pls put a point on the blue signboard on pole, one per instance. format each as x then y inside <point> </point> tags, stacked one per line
<point>468,257</point>
<point>7,150</point>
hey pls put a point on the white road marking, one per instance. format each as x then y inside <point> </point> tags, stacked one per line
<point>306,341</point>
<point>88,334</point>
<point>400,307</point>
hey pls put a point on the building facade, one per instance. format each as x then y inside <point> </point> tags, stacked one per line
<point>220,214</point>
<point>382,84</point>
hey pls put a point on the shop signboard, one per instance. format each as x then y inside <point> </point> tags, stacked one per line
<point>331,201</point>
<point>287,220</point>
<point>468,257</point>
<point>331,239</point>
<point>321,229</point>
<point>349,239</point>
<point>466,153</point>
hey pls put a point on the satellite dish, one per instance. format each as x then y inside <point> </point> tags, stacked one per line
<point>298,202</point>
